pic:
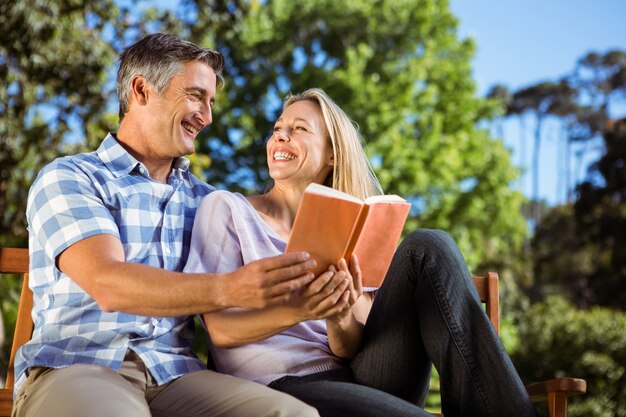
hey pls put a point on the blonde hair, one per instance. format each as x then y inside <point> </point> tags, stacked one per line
<point>352,172</point>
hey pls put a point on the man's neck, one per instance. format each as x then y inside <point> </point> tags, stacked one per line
<point>159,169</point>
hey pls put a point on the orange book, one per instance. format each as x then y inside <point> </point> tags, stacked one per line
<point>331,225</point>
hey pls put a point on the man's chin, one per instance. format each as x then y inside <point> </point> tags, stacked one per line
<point>188,147</point>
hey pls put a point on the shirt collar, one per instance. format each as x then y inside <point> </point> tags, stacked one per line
<point>120,162</point>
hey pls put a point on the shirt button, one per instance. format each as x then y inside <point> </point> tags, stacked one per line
<point>168,250</point>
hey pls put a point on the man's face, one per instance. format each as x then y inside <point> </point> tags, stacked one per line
<point>174,119</point>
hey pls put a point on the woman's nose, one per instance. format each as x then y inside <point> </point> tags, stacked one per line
<point>281,136</point>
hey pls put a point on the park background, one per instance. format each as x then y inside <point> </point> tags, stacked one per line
<point>515,146</point>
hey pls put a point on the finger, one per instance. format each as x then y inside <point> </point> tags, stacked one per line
<point>336,281</point>
<point>290,285</point>
<point>283,260</point>
<point>355,270</point>
<point>340,306</point>
<point>289,272</point>
<point>318,298</point>
<point>319,283</point>
<point>343,266</point>
<point>331,299</point>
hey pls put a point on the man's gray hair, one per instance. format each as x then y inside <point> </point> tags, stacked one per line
<point>159,57</point>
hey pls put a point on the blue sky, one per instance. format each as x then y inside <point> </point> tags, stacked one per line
<point>520,43</point>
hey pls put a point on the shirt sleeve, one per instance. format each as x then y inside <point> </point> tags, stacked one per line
<point>64,206</point>
<point>215,245</point>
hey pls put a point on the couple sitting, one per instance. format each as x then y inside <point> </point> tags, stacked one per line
<point>127,246</point>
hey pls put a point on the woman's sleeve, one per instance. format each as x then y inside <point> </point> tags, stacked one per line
<point>214,246</point>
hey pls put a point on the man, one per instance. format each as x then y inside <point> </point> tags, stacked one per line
<point>109,235</point>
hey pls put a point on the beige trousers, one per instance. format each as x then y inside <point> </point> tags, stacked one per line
<point>90,390</point>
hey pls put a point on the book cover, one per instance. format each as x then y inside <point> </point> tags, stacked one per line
<point>331,225</point>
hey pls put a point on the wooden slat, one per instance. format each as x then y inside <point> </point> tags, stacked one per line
<point>23,328</point>
<point>13,260</point>
<point>570,386</point>
<point>6,402</point>
<point>489,293</point>
<point>557,404</point>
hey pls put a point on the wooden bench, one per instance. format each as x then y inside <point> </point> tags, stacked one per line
<point>15,261</point>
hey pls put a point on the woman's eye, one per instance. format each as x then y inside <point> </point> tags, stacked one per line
<point>300,128</point>
<point>276,128</point>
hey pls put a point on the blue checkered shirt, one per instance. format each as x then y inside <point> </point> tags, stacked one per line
<point>107,192</point>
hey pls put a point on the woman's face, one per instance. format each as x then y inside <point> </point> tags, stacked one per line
<point>299,149</point>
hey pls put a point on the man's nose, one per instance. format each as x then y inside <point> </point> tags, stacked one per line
<point>205,116</point>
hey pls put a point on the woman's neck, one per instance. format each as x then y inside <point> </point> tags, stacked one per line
<point>278,207</point>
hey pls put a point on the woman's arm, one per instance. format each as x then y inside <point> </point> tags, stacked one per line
<point>324,297</point>
<point>345,329</point>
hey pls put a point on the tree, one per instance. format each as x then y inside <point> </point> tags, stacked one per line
<point>601,218</point>
<point>54,61</point>
<point>543,100</point>
<point>579,249</point>
<point>558,339</point>
<point>398,68</point>
<point>602,77</point>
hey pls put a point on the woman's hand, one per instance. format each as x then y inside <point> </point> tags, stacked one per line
<point>325,296</point>
<point>345,329</point>
<point>355,283</point>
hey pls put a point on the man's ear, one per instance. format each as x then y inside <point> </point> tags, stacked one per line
<point>140,90</point>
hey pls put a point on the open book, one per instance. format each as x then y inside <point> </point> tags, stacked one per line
<point>331,225</point>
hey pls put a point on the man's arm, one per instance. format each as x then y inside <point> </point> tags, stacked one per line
<point>98,266</point>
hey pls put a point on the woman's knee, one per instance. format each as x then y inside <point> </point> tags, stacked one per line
<point>429,239</point>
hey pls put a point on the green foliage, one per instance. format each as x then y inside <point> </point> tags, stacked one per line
<point>563,259</point>
<point>399,69</point>
<point>580,249</point>
<point>54,63</point>
<point>601,220</point>
<point>556,339</point>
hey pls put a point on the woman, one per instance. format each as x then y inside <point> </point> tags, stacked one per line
<point>332,345</point>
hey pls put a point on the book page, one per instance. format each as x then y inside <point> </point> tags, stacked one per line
<point>385,198</point>
<point>331,192</point>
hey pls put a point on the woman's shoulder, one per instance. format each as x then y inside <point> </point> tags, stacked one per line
<point>224,198</point>
<point>229,206</point>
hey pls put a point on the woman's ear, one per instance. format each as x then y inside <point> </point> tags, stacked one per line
<point>331,159</point>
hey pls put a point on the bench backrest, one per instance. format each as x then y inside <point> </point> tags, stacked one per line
<point>15,261</point>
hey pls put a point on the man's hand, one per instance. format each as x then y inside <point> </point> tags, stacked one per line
<point>268,281</point>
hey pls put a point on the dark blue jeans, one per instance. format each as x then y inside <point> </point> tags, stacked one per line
<point>426,312</point>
